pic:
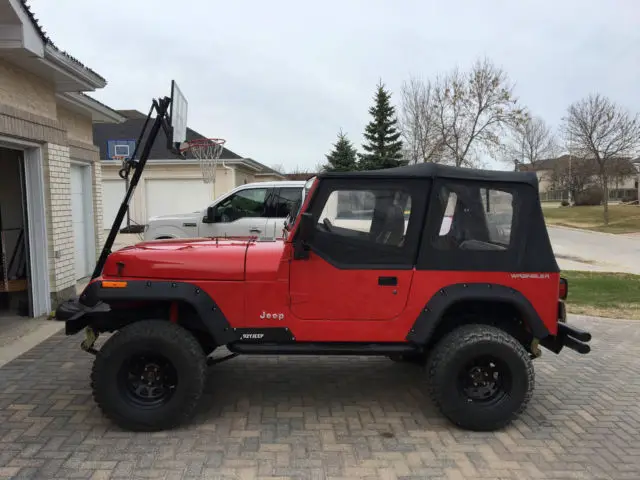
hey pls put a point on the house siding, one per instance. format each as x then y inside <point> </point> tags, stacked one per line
<point>225,181</point>
<point>28,111</point>
<point>25,91</point>
<point>77,126</point>
<point>57,180</point>
<point>97,206</point>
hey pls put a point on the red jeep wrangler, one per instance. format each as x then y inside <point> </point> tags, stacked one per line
<point>446,267</point>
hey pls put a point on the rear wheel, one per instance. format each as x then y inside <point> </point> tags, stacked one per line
<point>149,376</point>
<point>480,377</point>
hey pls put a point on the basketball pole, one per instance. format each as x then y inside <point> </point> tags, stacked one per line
<point>161,107</point>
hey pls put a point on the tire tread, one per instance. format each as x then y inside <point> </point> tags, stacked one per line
<point>465,336</point>
<point>140,331</point>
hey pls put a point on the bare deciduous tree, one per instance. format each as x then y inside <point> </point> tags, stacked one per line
<point>278,167</point>
<point>422,142</point>
<point>473,109</point>
<point>598,128</point>
<point>532,141</point>
<point>574,176</point>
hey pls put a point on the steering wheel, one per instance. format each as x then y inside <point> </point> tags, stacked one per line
<point>327,224</point>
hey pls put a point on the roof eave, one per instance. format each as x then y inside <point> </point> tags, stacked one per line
<point>68,67</point>
<point>89,106</point>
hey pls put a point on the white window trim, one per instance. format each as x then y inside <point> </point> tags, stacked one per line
<point>39,285</point>
<point>90,232</point>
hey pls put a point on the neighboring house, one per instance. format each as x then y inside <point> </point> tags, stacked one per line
<point>623,181</point>
<point>300,176</point>
<point>169,184</point>
<point>50,175</point>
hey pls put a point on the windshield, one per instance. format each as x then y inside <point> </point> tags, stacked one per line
<point>296,209</point>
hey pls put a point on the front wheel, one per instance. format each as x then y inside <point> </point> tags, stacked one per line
<point>149,376</point>
<point>480,377</point>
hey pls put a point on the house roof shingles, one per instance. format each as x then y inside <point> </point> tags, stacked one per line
<point>130,130</point>
<point>45,38</point>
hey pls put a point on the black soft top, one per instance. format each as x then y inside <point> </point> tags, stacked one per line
<point>433,170</point>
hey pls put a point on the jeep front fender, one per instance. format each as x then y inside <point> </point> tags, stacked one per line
<point>433,312</point>
<point>166,291</point>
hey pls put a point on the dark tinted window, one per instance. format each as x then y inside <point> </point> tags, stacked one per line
<point>285,200</point>
<point>245,203</point>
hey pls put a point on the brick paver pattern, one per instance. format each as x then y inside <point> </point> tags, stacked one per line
<point>328,418</point>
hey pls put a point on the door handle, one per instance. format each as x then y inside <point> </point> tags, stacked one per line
<point>388,281</point>
<point>254,230</point>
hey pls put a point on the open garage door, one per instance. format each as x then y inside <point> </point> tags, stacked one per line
<point>112,194</point>
<point>172,196</point>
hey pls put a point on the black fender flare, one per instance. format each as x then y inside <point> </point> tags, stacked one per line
<point>149,290</point>
<point>433,312</point>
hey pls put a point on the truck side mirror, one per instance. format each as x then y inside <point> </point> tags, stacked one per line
<point>305,235</point>
<point>210,216</point>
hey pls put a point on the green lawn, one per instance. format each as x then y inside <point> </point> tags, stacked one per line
<point>622,218</point>
<point>615,295</point>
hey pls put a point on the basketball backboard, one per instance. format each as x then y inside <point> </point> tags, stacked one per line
<point>120,148</point>
<point>178,116</point>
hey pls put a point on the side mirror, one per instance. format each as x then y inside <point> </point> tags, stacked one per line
<point>210,216</point>
<point>306,230</point>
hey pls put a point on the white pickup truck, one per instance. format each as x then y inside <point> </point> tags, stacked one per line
<point>258,209</point>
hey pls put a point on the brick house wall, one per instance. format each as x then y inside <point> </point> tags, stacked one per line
<point>29,111</point>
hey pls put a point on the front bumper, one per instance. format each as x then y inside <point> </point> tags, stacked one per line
<point>77,315</point>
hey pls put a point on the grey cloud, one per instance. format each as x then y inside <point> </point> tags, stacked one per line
<point>278,79</point>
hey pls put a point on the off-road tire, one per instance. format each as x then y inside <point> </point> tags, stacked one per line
<point>180,349</point>
<point>448,361</point>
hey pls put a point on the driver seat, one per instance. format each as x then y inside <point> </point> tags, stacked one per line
<point>391,229</point>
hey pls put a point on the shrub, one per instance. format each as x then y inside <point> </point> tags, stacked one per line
<point>589,196</point>
<point>565,203</point>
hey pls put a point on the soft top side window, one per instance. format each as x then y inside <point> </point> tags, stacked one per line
<point>368,223</point>
<point>475,217</point>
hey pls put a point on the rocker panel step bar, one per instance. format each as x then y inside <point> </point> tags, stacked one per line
<point>304,348</point>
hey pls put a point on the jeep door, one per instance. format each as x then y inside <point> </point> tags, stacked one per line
<point>242,213</point>
<point>362,254</point>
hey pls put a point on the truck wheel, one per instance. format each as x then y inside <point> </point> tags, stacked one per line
<point>480,377</point>
<point>149,376</point>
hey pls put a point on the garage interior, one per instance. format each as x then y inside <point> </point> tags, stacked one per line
<point>14,255</point>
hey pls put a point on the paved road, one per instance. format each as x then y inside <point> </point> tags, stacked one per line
<point>586,250</point>
<point>328,418</point>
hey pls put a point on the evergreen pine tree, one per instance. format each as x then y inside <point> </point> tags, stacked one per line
<point>343,157</point>
<point>384,147</point>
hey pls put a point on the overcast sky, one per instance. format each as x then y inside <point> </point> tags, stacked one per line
<point>278,79</point>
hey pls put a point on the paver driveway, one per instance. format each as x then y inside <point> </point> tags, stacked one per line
<point>317,417</point>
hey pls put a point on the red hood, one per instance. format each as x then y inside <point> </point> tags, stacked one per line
<point>182,259</point>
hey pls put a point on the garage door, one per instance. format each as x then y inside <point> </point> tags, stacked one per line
<point>81,218</point>
<point>112,195</point>
<point>168,197</point>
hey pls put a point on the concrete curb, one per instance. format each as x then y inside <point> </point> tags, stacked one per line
<point>584,230</point>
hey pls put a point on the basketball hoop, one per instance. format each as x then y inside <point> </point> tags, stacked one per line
<point>207,151</point>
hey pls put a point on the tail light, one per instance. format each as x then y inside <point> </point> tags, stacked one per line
<point>564,288</point>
